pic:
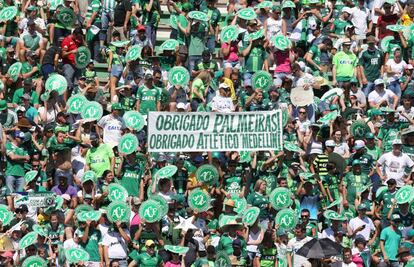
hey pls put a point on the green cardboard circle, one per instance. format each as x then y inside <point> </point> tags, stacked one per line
<point>247,13</point>
<point>169,45</point>
<point>82,57</point>
<point>14,71</point>
<point>222,260</point>
<point>280,198</point>
<point>207,174</point>
<point>5,215</point>
<point>292,147</point>
<point>264,4</point>
<point>162,203</point>
<point>173,21</point>
<point>149,211</point>
<point>89,176</point>
<point>56,82</point>
<point>134,52</point>
<point>39,230</point>
<point>118,211</point>
<point>332,215</point>
<point>256,35</point>
<point>76,255</point>
<point>128,144</point>
<point>262,79</point>
<point>198,15</point>
<point>83,207</point>
<point>240,203</point>
<point>8,13</point>
<point>117,192</point>
<point>120,43</point>
<point>281,42</point>
<point>199,200</point>
<point>331,116</point>
<point>405,194</point>
<point>385,42</point>
<point>336,202</point>
<point>176,249</point>
<point>134,120</point>
<point>34,261</point>
<point>179,76</point>
<point>27,240</point>
<point>92,110</point>
<point>286,219</point>
<point>250,215</point>
<point>288,4</point>
<point>166,172</point>
<point>93,215</point>
<point>229,33</point>
<point>359,129</point>
<point>66,16</point>
<point>285,117</point>
<point>75,103</point>
<point>29,176</point>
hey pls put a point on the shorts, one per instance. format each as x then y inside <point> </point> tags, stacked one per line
<point>116,71</point>
<point>234,64</point>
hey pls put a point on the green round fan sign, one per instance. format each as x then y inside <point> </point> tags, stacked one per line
<point>39,230</point>
<point>134,53</point>
<point>8,13</point>
<point>75,103</point>
<point>405,194</point>
<point>93,215</point>
<point>76,255</point>
<point>167,171</point>
<point>34,261</point>
<point>56,82</point>
<point>169,44</point>
<point>199,200</point>
<point>247,13</point>
<point>281,42</point>
<point>198,15</point>
<point>5,215</point>
<point>162,203</point>
<point>207,174</point>
<point>250,215</point>
<point>82,57</point>
<point>128,144</point>
<point>92,110</point>
<point>179,76</point>
<point>229,33</point>
<point>14,71</point>
<point>176,249</point>
<point>134,120</point>
<point>29,176</point>
<point>117,192</point>
<point>66,16</point>
<point>286,219</point>
<point>149,211</point>
<point>118,211</point>
<point>240,203</point>
<point>262,80</point>
<point>280,198</point>
<point>27,240</point>
<point>222,260</point>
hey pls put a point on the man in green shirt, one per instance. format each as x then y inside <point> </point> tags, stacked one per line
<point>339,24</point>
<point>390,241</point>
<point>16,157</point>
<point>370,64</point>
<point>131,173</point>
<point>100,157</point>
<point>148,258</point>
<point>214,16</point>
<point>93,18</point>
<point>384,200</point>
<point>255,57</point>
<point>148,96</point>
<point>27,89</point>
<point>354,180</point>
<point>345,63</point>
<point>91,240</point>
<point>313,56</point>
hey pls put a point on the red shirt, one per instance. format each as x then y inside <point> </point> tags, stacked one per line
<point>383,22</point>
<point>69,44</point>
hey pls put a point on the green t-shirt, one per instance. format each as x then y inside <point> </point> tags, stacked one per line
<point>20,92</point>
<point>146,260</point>
<point>345,64</point>
<point>99,158</point>
<point>255,59</point>
<point>199,86</point>
<point>375,152</point>
<point>197,40</point>
<point>392,241</point>
<point>92,245</point>
<point>233,183</point>
<point>260,201</point>
<point>388,133</point>
<point>339,26</point>
<point>54,234</point>
<point>386,197</point>
<point>131,178</point>
<point>267,256</point>
<point>15,167</point>
<point>94,6</point>
<point>353,182</point>
<point>213,15</point>
<point>148,99</point>
<point>226,244</point>
<point>372,61</point>
<point>316,56</point>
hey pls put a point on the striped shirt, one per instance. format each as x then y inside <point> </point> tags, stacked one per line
<point>108,5</point>
<point>321,163</point>
<point>94,6</point>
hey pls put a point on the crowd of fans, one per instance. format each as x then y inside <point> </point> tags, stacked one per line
<point>341,73</point>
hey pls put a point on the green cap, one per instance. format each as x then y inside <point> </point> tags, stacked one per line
<point>369,136</point>
<point>354,80</point>
<point>356,162</point>
<point>186,7</point>
<point>362,206</point>
<point>276,8</point>
<point>3,105</point>
<point>117,106</point>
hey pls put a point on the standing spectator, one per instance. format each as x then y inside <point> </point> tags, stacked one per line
<point>390,241</point>
<point>16,157</point>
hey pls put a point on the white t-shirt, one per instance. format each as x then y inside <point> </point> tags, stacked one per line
<point>360,18</point>
<point>117,247</point>
<point>356,222</point>
<point>398,68</point>
<point>410,113</point>
<point>112,129</point>
<point>222,104</point>
<point>341,149</point>
<point>394,166</point>
<point>294,245</point>
<point>375,97</point>
<point>306,79</point>
<point>328,233</point>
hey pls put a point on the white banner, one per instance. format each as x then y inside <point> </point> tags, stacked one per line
<point>213,131</point>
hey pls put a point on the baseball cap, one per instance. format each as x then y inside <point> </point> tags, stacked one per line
<point>369,136</point>
<point>397,142</point>
<point>371,39</point>
<point>395,217</point>
<point>330,143</point>
<point>148,75</point>
<point>23,208</point>
<point>140,28</point>
<point>149,243</point>
<point>19,134</point>
<point>276,8</point>
<point>116,106</point>
<point>347,10</point>
<point>359,144</point>
<point>409,67</point>
<point>28,81</point>
<point>347,27</point>
<point>136,201</point>
<point>237,243</point>
<point>362,206</point>
<point>379,81</point>
<point>356,162</point>
<point>7,254</point>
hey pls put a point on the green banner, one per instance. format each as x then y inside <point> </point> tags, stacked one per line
<point>201,131</point>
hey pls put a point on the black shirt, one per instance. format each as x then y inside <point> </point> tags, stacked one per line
<point>121,8</point>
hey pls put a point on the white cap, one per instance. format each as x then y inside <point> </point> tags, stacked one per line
<point>20,108</point>
<point>409,67</point>
<point>181,105</point>
<point>277,82</point>
<point>397,142</point>
<point>330,143</point>
<point>359,144</point>
<point>223,85</point>
<point>347,10</point>
<point>379,81</point>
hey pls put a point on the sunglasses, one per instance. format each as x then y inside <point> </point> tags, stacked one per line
<point>304,216</point>
<point>302,112</point>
